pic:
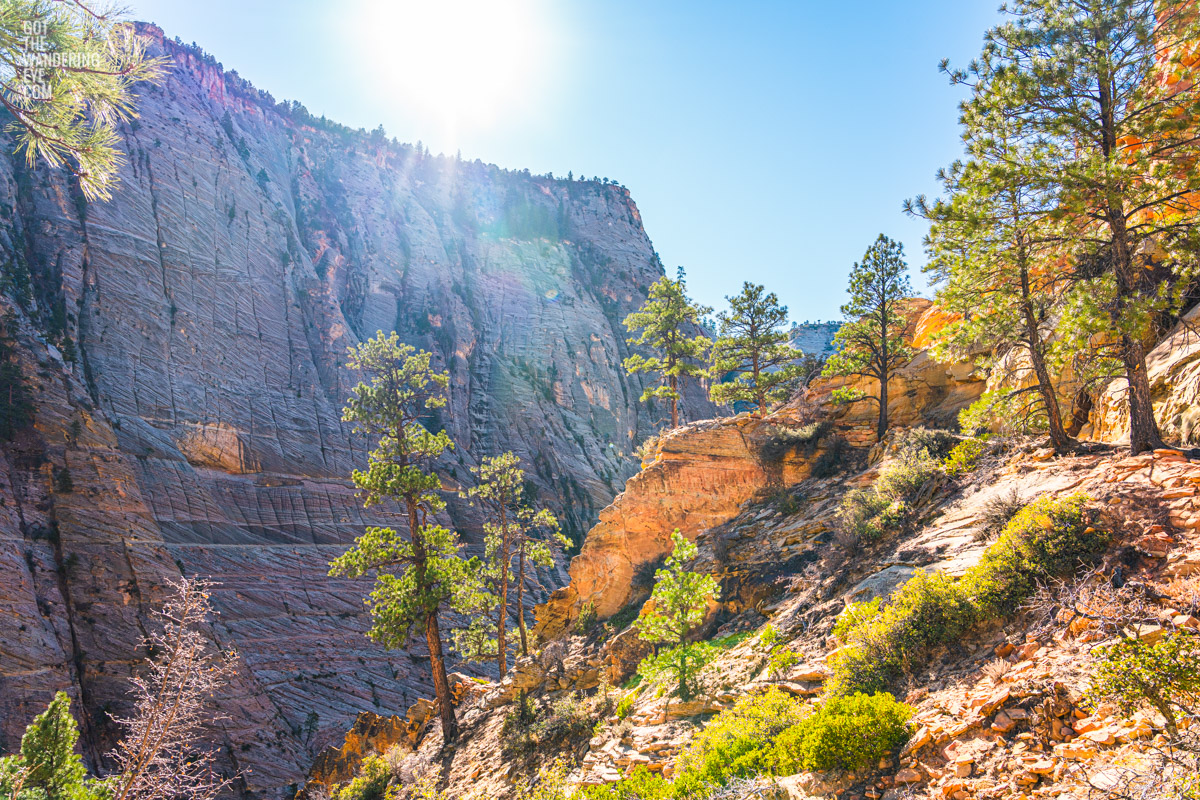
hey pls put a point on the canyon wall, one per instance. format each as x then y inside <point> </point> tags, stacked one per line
<point>183,345</point>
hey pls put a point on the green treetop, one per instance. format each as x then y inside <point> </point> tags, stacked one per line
<point>67,72</point>
<point>510,529</point>
<point>48,768</point>
<point>678,604</point>
<point>417,578</point>
<point>1100,87</point>
<point>751,342</point>
<point>664,321</point>
<point>994,248</point>
<point>871,343</point>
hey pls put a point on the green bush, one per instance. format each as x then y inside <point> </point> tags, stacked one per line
<point>849,733</point>
<point>772,733</point>
<point>782,660</point>
<point>866,515</point>
<point>855,615</point>
<point>585,623</point>
<point>803,439</point>
<point>625,705</point>
<point>1046,538</point>
<point>768,637</point>
<point>371,783</point>
<point>831,459</point>
<point>904,478</point>
<point>963,457</point>
<point>1134,674</point>
<point>738,743</point>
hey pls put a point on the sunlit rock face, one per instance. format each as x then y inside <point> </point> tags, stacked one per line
<point>209,306</point>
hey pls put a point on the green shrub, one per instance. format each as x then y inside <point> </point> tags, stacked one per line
<point>831,459</point>
<point>908,473</point>
<point>371,783</point>
<point>963,457</point>
<point>866,515</point>
<point>1046,538</point>
<point>849,733</point>
<point>782,660</point>
<point>772,733</point>
<point>855,615</point>
<point>625,705</point>
<point>738,743</point>
<point>623,618</point>
<point>1134,674</point>
<point>768,637</point>
<point>936,443</point>
<point>585,623</point>
<point>803,439</point>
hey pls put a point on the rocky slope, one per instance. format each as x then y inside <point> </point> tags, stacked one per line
<point>1000,714</point>
<point>184,343</point>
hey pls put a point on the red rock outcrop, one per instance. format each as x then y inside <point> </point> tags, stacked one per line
<point>694,478</point>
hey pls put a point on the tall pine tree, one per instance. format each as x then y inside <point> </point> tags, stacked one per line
<point>752,344</point>
<point>994,247</point>
<point>871,342</point>
<point>418,577</point>
<point>665,322</point>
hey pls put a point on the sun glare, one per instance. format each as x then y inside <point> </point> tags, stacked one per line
<point>466,63</point>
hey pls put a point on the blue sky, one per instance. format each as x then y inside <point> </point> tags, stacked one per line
<point>763,141</point>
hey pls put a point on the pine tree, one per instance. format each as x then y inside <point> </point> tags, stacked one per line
<point>509,528</point>
<point>678,604</point>
<point>994,246</point>
<point>1102,87</point>
<point>419,577</point>
<point>664,321</point>
<point>751,342</point>
<point>48,768</point>
<point>66,111</point>
<point>871,343</point>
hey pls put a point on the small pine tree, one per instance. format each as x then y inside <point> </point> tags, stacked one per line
<point>871,343</point>
<point>664,320</point>
<point>418,578</point>
<point>751,343</point>
<point>509,530</point>
<point>48,768</point>
<point>678,603</point>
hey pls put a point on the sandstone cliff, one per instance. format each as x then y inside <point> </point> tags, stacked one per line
<point>183,345</point>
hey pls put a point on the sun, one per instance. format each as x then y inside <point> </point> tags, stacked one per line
<point>465,63</point>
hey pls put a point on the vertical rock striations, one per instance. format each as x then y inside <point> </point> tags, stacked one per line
<point>183,345</point>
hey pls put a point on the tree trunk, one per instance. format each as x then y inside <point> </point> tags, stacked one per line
<point>433,637</point>
<point>760,398</point>
<point>1058,437</point>
<point>441,684</point>
<point>1143,429</point>
<point>502,615</point>
<point>882,427</point>
<point>521,599</point>
<point>673,382</point>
